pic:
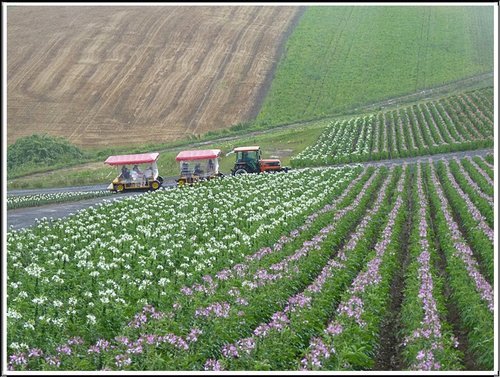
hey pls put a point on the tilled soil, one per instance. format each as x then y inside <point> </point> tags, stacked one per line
<point>115,75</point>
<point>389,351</point>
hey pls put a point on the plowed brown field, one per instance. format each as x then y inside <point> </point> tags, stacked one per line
<point>104,75</point>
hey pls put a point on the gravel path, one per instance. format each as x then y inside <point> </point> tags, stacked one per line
<point>25,217</point>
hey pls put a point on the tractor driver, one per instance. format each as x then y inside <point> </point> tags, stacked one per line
<point>249,161</point>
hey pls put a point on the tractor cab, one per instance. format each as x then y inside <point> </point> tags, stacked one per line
<point>135,171</point>
<point>249,160</point>
<point>198,165</point>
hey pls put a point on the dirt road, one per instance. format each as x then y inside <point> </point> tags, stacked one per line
<point>25,217</point>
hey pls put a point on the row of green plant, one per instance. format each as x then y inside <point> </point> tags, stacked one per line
<point>427,336</point>
<point>302,279</point>
<point>187,304</point>
<point>288,277</point>
<point>433,127</point>
<point>185,234</point>
<point>282,340</point>
<point>471,293</point>
<point>482,202</point>
<point>35,200</point>
<point>472,225</point>
<point>476,176</point>
<point>481,163</point>
<point>352,333</point>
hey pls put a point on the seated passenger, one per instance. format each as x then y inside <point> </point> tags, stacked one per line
<point>125,173</point>
<point>197,170</point>
<point>210,167</point>
<point>148,173</point>
<point>136,173</point>
<point>185,169</point>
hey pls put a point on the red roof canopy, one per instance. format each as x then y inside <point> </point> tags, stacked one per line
<point>247,149</point>
<point>128,159</point>
<point>198,155</point>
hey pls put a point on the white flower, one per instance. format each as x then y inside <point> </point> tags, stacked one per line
<point>15,346</point>
<point>163,282</point>
<point>59,322</point>
<point>39,300</point>
<point>28,325</point>
<point>72,301</point>
<point>11,313</point>
<point>15,285</point>
<point>91,319</point>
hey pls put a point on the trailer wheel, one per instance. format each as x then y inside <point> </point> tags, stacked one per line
<point>155,185</point>
<point>119,187</point>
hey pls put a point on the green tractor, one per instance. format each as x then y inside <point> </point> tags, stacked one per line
<point>248,160</point>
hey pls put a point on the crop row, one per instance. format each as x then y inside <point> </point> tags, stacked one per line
<point>22,201</point>
<point>115,257</point>
<point>455,123</point>
<point>312,293</point>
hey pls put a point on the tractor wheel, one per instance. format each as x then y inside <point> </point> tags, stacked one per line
<point>119,187</point>
<point>155,185</point>
<point>241,171</point>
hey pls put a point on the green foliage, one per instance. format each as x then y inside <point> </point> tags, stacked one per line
<point>431,127</point>
<point>480,162</point>
<point>41,151</point>
<point>480,202</point>
<point>291,256</point>
<point>412,310</point>
<point>22,201</point>
<point>474,314</point>
<point>477,239</point>
<point>489,158</point>
<point>339,57</point>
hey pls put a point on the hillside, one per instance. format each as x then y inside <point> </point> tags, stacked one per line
<point>339,58</point>
<point>118,75</point>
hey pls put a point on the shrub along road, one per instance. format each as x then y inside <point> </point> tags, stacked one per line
<point>25,217</point>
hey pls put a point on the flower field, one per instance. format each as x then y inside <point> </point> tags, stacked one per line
<point>264,272</point>
<point>456,123</point>
<point>22,201</point>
